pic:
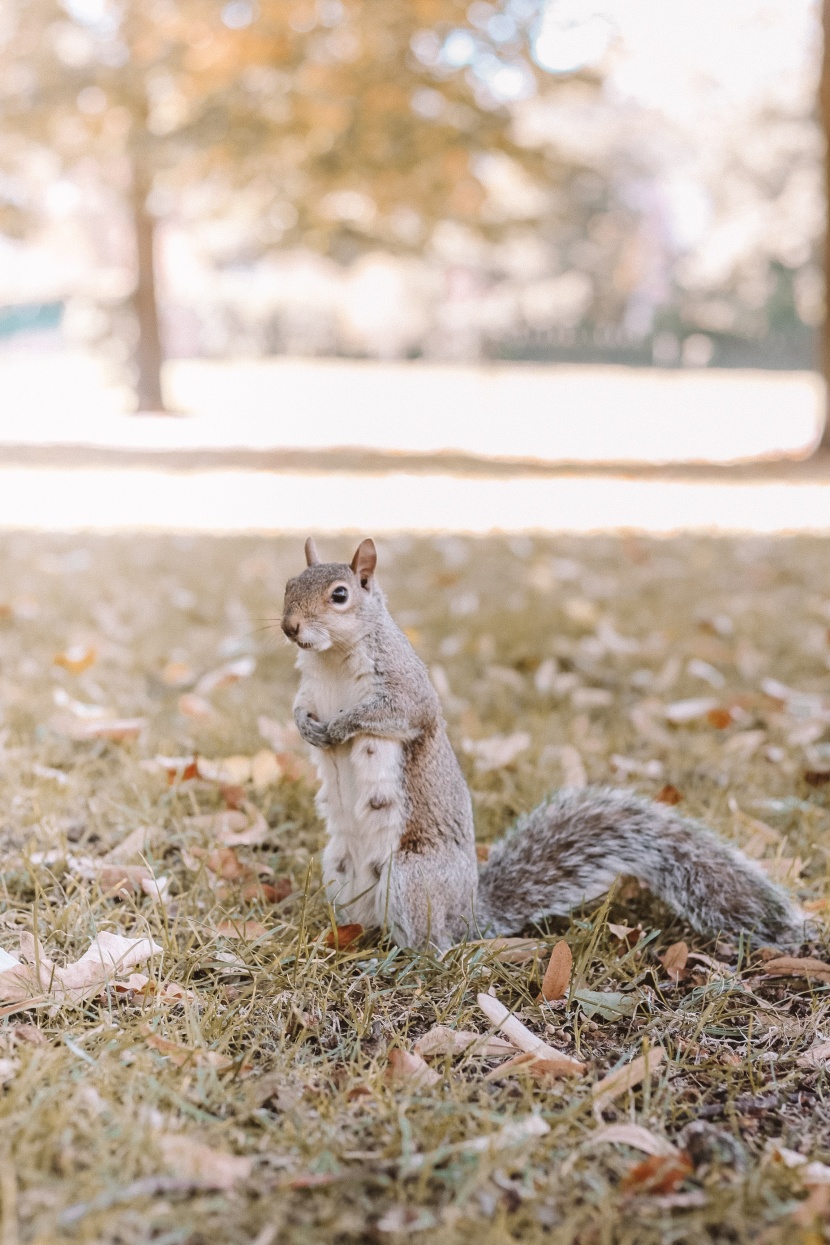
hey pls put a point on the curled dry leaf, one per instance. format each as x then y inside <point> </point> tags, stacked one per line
<point>720,718</point>
<point>245,827</point>
<point>76,659</point>
<point>406,1067</point>
<point>202,1166</point>
<point>137,843</point>
<point>266,892</point>
<point>628,1077</point>
<point>245,930</point>
<point>674,960</point>
<point>225,863</point>
<point>658,1174</point>
<point>558,972</point>
<point>523,1039</point>
<point>637,1137</point>
<point>109,957</point>
<point>342,936</point>
<point>795,966</point>
<point>441,1040</point>
<point>669,795</point>
<point>626,933</point>
<point>527,1064</point>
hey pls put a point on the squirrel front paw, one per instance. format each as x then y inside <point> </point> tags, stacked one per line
<point>313,731</point>
<point>338,728</point>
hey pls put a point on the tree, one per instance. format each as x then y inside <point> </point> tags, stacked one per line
<point>356,123</point>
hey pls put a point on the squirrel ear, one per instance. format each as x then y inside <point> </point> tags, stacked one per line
<point>364,561</point>
<point>312,557</point>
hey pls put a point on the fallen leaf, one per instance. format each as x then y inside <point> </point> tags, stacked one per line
<point>668,795</point>
<point>225,863</point>
<point>720,718</point>
<point>265,769</point>
<point>817,777</point>
<point>441,1040</point>
<point>229,771</point>
<point>405,1067</point>
<point>637,1137</point>
<point>628,1077</point>
<point>109,956</point>
<point>76,659</point>
<point>117,730</point>
<point>674,960</point>
<point>223,676</point>
<point>609,1004</point>
<point>626,933</point>
<point>137,843</point>
<point>682,711</point>
<point>817,1057</point>
<point>30,1034</point>
<point>247,930</point>
<point>793,966</point>
<point>342,936</point>
<point>192,706</point>
<point>498,752</point>
<point>177,769</point>
<point>201,1165</point>
<point>245,827</point>
<point>658,1174</point>
<point>510,950</point>
<point>265,892</point>
<point>558,972</point>
<point>523,1039</point>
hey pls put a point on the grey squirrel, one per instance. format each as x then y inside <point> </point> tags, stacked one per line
<point>401,849</point>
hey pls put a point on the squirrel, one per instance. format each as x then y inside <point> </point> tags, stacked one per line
<point>401,852</point>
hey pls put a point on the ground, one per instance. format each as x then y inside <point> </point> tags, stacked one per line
<point>274,1050</point>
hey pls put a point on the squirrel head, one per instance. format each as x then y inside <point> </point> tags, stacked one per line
<point>329,603</point>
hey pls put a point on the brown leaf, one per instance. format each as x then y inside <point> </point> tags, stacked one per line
<point>441,1040</point>
<point>136,843</point>
<point>406,1067</point>
<point>720,718</point>
<point>817,1057</point>
<point>110,956</point>
<point>201,1165</point>
<point>658,1174</point>
<point>246,930</point>
<point>628,1077</point>
<point>817,777</point>
<point>794,966</point>
<point>558,972</point>
<point>265,892</point>
<point>527,1064</point>
<point>674,960</point>
<point>342,936</point>
<point>225,863</point>
<point>76,659</point>
<point>668,795</point>
<point>626,933</point>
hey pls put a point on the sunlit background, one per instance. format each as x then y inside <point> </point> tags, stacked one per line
<point>573,232</point>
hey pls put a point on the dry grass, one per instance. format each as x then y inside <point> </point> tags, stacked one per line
<point>309,1030</point>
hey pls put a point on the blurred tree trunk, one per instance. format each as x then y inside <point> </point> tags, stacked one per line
<point>824,108</point>
<point>148,354</point>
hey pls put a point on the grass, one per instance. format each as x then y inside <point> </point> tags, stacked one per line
<point>86,1109</point>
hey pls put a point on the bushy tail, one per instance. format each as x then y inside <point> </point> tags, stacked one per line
<point>572,847</point>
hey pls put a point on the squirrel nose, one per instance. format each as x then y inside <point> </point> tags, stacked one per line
<point>291,626</point>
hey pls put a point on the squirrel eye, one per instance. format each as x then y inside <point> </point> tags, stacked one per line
<point>340,595</point>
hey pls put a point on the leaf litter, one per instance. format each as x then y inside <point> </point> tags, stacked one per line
<point>267,1060</point>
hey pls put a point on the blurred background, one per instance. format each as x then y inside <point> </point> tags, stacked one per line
<point>561,230</point>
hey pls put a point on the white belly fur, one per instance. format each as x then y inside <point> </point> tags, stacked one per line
<point>360,797</point>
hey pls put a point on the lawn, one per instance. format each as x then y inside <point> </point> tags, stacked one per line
<point>240,1085</point>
